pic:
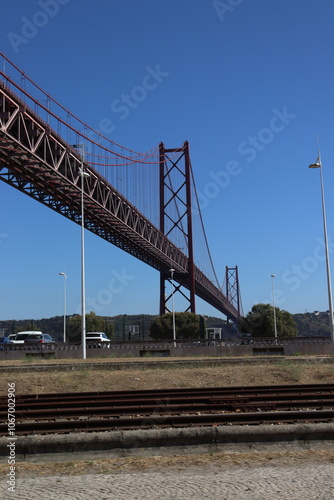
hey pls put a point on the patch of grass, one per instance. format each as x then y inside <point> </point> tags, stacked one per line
<point>126,355</point>
<point>84,371</point>
<point>293,370</point>
<point>325,375</point>
<point>30,359</point>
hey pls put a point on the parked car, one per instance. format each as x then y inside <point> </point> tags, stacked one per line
<point>21,336</point>
<point>97,338</point>
<point>39,338</point>
<point>4,341</point>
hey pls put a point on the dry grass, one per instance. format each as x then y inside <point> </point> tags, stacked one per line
<point>201,462</point>
<point>277,372</point>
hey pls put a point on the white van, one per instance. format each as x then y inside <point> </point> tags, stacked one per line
<point>20,337</point>
<point>97,339</point>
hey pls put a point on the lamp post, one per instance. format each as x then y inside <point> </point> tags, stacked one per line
<point>83,285</point>
<point>318,164</point>
<point>273,297</point>
<point>173,309</point>
<point>65,276</point>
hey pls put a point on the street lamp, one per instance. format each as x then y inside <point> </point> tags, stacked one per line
<point>65,276</point>
<point>83,286</point>
<point>273,297</point>
<point>318,164</point>
<point>173,309</point>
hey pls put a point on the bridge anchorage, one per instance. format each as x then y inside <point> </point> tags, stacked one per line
<point>123,194</point>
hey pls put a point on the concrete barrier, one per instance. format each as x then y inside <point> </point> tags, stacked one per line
<point>213,439</point>
<point>221,348</point>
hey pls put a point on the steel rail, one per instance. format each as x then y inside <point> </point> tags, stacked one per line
<point>141,401</point>
<point>163,421</point>
<point>89,411</point>
<point>279,389</point>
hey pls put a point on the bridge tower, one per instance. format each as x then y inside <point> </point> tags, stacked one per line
<point>176,222</point>
<point>232,291</point>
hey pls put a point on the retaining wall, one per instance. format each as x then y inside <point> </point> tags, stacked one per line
<point>167,349</point>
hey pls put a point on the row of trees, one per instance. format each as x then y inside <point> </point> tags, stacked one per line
<point>259,322</point>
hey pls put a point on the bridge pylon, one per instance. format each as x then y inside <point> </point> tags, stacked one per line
<point>233,292</point>
<point>176,222</point>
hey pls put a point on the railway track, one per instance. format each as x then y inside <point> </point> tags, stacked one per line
<point>114,410</point>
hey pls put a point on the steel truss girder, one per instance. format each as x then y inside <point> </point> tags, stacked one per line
<point>36,161</point>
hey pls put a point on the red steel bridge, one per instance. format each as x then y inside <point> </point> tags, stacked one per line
<point>144,203</point>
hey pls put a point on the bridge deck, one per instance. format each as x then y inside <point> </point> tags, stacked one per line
<point>38,162</point>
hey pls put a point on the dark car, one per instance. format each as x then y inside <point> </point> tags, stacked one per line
<point>4,341</point>
<point>39,338</point>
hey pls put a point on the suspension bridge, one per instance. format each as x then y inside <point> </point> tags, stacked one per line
<point>144,203</point>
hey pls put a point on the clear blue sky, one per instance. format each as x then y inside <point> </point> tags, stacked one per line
<point>248,83</point>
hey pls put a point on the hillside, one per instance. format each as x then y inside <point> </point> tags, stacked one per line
<point>124,327</point>
<point>313,324</point>
<point>137,327</point>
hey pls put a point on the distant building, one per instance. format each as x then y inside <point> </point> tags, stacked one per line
<point>213,333</point>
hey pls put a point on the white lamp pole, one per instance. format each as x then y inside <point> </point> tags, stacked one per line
<point>65,276</point>
<point>273,297</point>
<point>173,309</point>
<point>83,285</point>
<point>318,164</point>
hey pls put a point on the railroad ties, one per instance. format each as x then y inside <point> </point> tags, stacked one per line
<point>114,410</point>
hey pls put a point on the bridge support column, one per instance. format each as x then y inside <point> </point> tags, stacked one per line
<point>176,220</point>
<point>232,291</point>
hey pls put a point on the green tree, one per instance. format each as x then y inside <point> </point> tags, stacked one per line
<point>260,322</point>
<point>93,324</point>
<point>187,326</point>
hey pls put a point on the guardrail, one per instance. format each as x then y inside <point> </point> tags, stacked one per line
<point>150,344</point>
